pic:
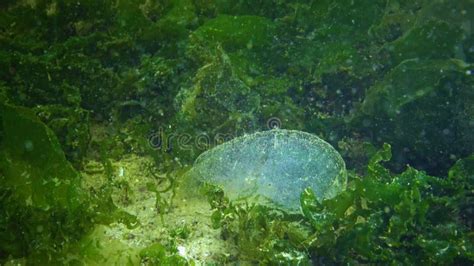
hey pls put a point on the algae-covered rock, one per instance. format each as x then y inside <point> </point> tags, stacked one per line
<point>218,92</point>
<point>71,126</point>
<point>236,32</point>
<point>440,41</point>
<point>43,207</point>
<point>33,160</point>
<point>39,186</point>
<point>422,107</point>
<point>273,166</point>
<point>408,82</point>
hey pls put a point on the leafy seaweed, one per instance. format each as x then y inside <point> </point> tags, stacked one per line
<point>381,218</point>
<point>157,254</point>
<point>100,77</point>
<point>43,209</point>
<point>384,218</point>
<point>262,234</point>
<point>413,106</point>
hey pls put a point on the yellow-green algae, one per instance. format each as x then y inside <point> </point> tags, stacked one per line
<point>200,243</point>
<point>127,67</point>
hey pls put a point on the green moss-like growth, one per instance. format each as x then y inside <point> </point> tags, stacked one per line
<point>218,92</point>
<point>413,106</point>
<point>381,218</point>
<point>439,40</point>
<point>71,126</point>
<point>157,254</point>
<point>236,32</point>
<point>385,218</point>
<point>43,206</point>
<point>105,75</point>
<point>32,153</point>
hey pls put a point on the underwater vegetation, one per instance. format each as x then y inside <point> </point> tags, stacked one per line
<point>381,218</point>
<point>44,209</point>
<point>86,85</point>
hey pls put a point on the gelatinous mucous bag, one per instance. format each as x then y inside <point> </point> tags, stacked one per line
<point>273,167</point>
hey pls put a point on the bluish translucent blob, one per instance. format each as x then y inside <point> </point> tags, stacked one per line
<point>273,167</point>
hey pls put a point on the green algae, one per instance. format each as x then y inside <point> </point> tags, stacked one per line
<point>441,37</point>
<point>407,94</point>
<point>103,75</point>
<point>236,32</point>
<point>217,84</point>
<point>44,208</point>
<point>381,217</point>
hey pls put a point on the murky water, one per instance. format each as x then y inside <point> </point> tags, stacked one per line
<point>105,107</point>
